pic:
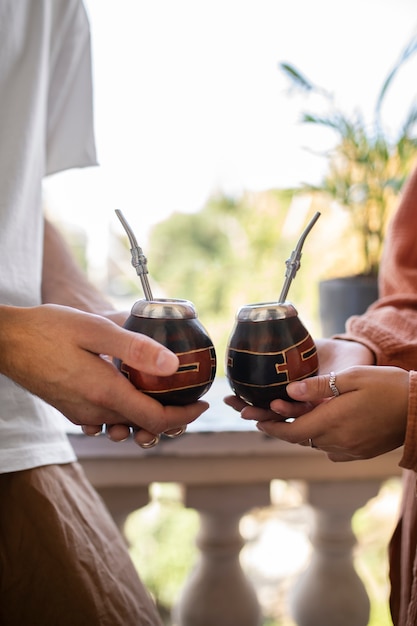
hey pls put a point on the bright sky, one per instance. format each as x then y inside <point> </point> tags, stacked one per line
<point>189,98</point>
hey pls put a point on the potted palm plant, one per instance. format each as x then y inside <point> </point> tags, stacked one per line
<point>366,170</point>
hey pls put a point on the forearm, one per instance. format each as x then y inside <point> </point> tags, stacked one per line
<point>64,282</point>
<point>10,329</point>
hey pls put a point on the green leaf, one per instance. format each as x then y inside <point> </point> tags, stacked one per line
<point>296,77</point>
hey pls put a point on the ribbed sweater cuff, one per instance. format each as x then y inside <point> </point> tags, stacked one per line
<point>409,459</point>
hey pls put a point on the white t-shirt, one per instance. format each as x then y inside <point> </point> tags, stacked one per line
<point>46,125</point>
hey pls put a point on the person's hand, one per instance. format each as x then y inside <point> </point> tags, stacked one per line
<point>333,355</point>
<point>121,432</point>
<point>367,419</point>
<point>59,354</point>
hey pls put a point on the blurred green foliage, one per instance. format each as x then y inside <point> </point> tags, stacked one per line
<point>230,253</point>
<point>162,538</point>
<point>369,163</point>
<point>373,526</point>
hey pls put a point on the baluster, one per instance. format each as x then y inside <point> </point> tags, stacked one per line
<point>330,592</point>
<point>217,591</point>
<point>121,501</point>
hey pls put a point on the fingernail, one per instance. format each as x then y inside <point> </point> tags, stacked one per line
<point>90,430</point>
<point>167,361</point>
<point>175,433</point>
<point>299,388</point>
<point>150,444</point>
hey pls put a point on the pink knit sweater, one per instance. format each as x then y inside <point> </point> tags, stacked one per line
<point>389,329</point>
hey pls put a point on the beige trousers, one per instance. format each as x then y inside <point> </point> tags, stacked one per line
<point>63,561</point>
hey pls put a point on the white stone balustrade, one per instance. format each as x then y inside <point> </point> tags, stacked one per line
<point>330,591</point>
<point>226,467</point>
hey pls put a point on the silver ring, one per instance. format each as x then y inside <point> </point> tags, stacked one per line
<point>310,441</point>
<point>332,385</point>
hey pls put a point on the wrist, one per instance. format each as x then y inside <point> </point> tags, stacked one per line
<point>10,322</point>
<point>363,353</point>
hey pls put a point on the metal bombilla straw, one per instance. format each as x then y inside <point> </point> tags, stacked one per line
<point>139,260</point>
<point>293,263</point>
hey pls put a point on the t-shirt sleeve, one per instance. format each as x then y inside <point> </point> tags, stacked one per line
<point>70,124</point>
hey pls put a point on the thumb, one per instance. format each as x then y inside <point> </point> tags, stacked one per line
<point>150,356</point>
<point>310,389</point>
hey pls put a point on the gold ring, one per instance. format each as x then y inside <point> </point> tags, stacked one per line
<point>175,433</point>
<point>150,444</point>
